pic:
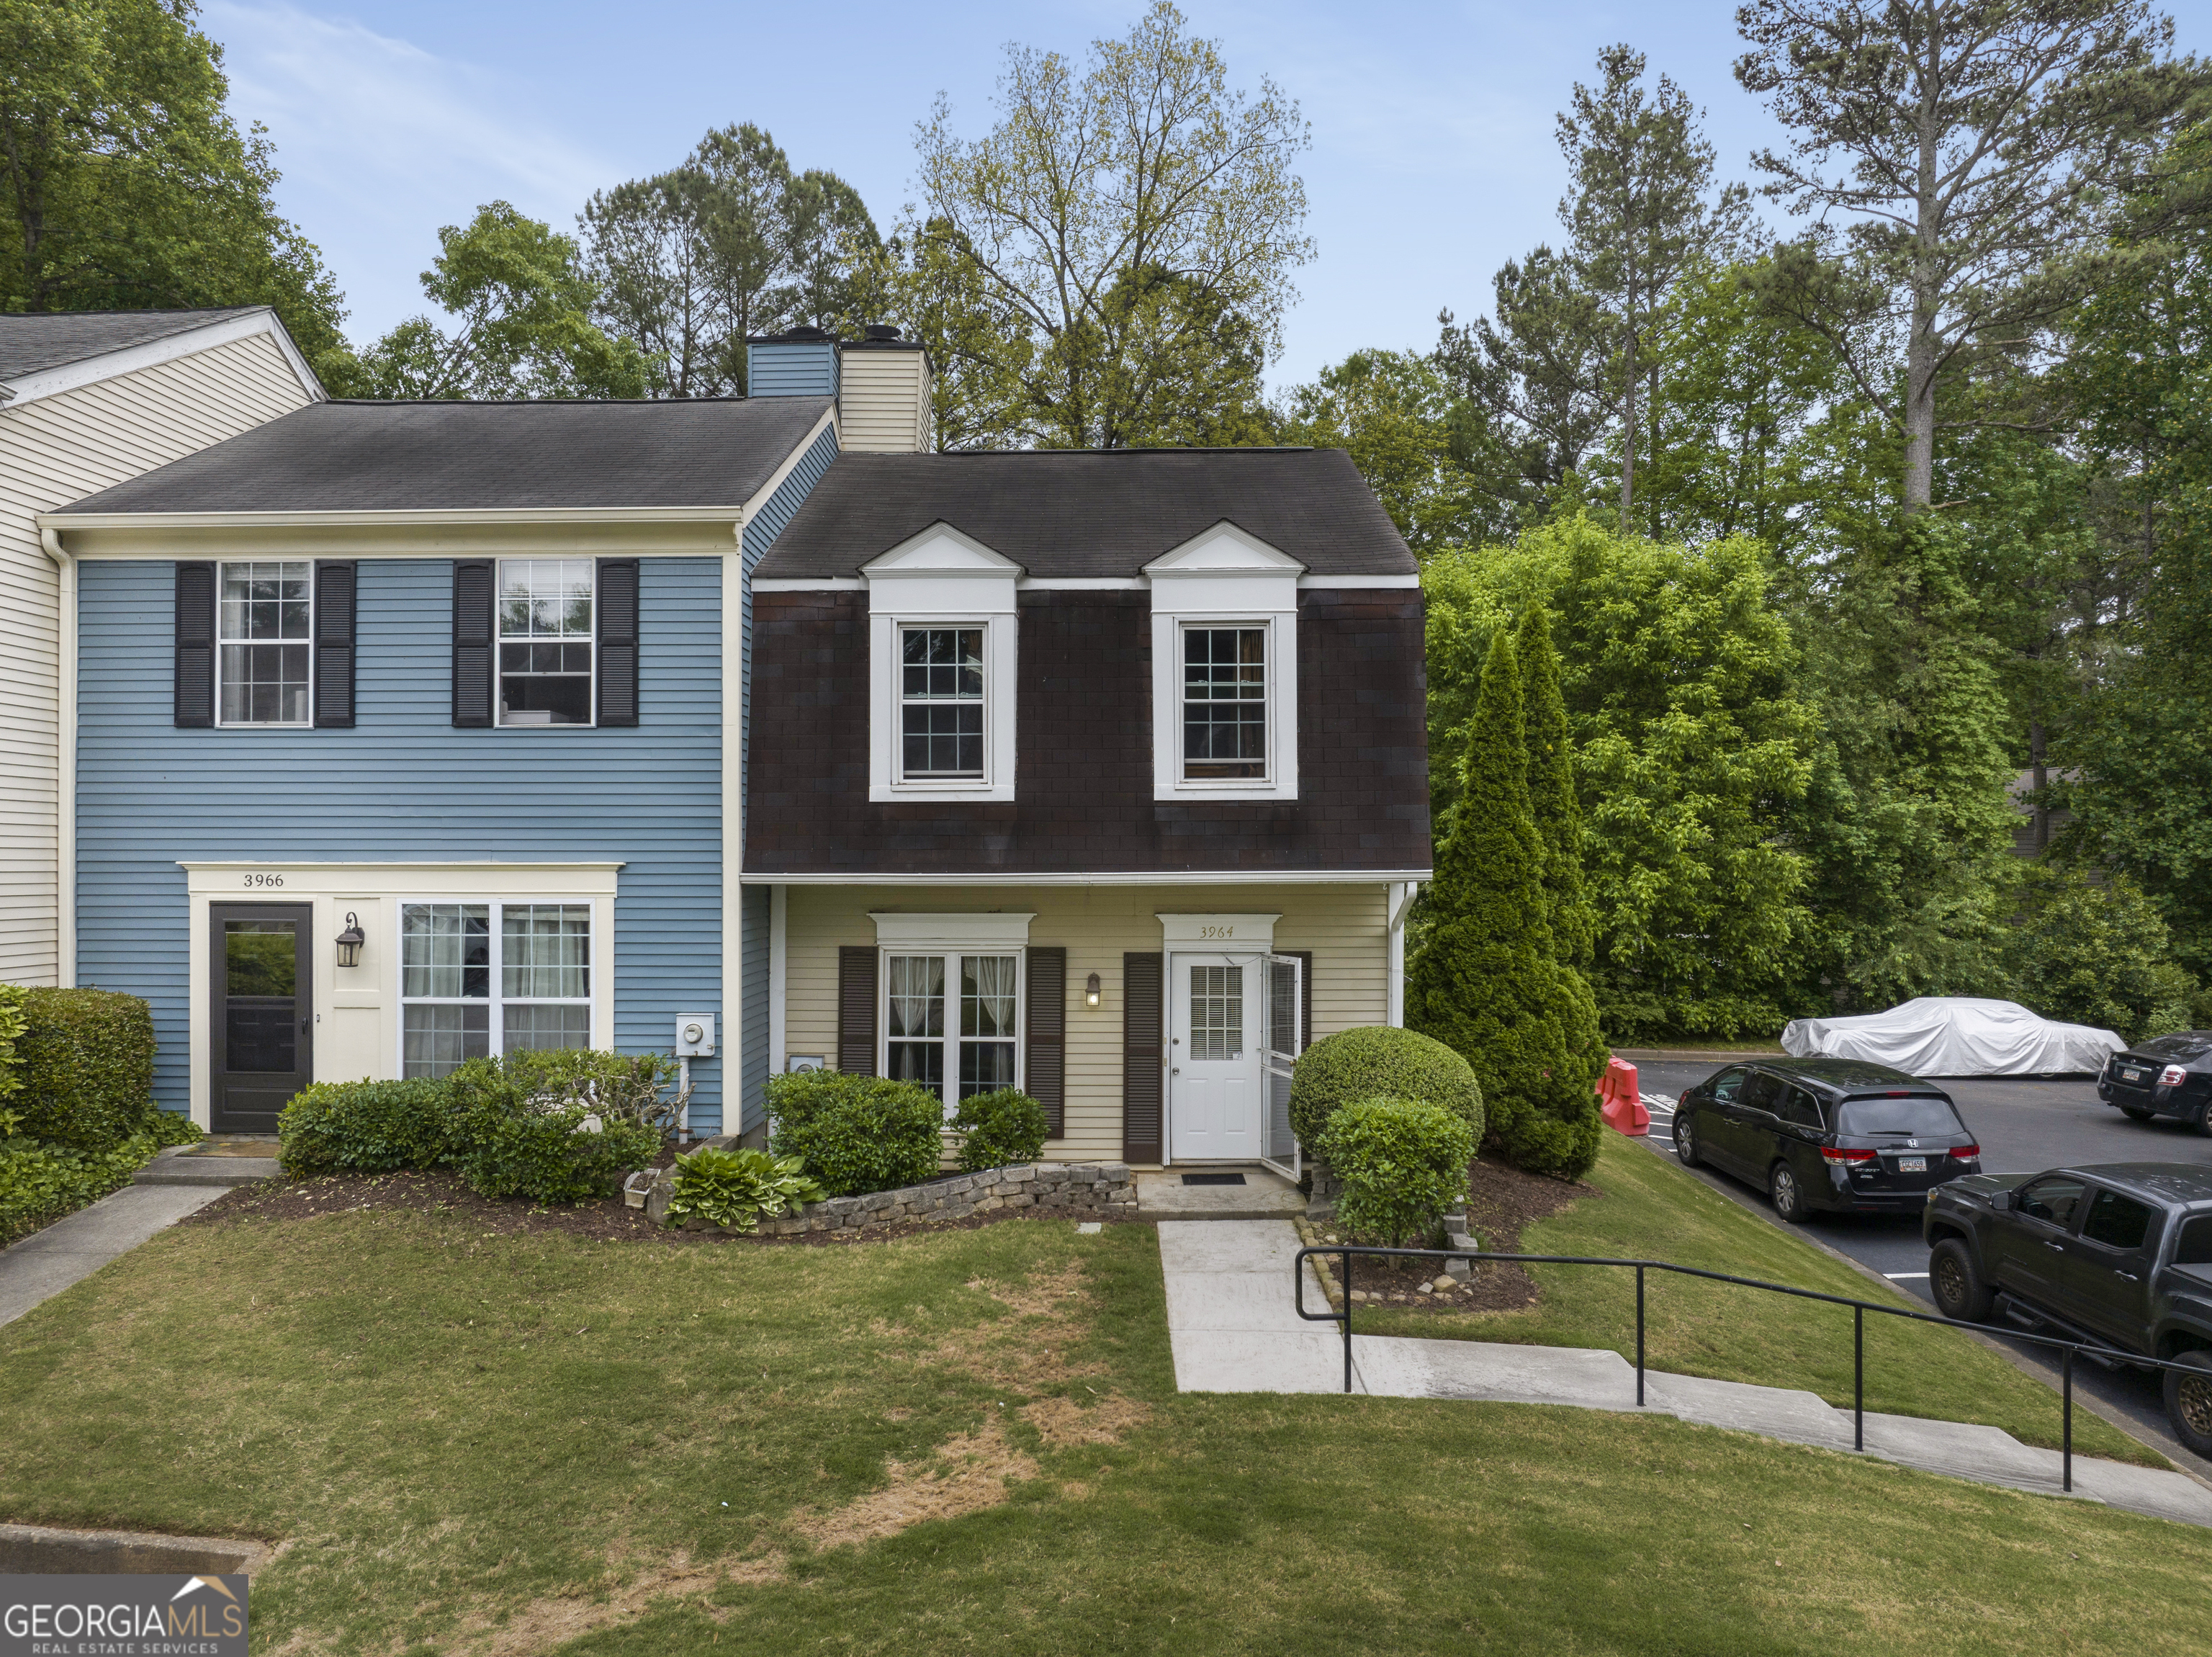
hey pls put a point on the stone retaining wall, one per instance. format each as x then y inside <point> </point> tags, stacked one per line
<point>1102,1191</point>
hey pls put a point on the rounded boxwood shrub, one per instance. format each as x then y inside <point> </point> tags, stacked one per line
<point>366,1127</point>
<point>85,1061</point>
<point>1403,1162</point>
<point>1376,1059</point>
<point>1000,1129</point>
<point>527,1125</point>
<point>857,1133</point>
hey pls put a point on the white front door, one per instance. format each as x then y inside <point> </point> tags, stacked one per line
<point>1216,1036</point>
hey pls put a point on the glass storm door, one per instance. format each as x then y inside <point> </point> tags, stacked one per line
<point>1215,1045</point>
<point>262,1046</point>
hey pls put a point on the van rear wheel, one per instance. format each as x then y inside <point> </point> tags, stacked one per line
<point>2188,1401</point>
<point>1788,1195</point>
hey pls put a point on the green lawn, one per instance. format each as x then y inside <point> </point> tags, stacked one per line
<point>971,1440</point>
<point>1653,1211</point>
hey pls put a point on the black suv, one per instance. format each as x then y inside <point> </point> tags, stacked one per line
<point>2170,1076</point>
<point>2117,1255</point>
<point>1833,1135</point>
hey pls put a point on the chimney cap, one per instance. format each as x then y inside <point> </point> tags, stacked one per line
<point>882,331</point>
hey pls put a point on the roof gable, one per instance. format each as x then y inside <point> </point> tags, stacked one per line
<point>940,550</point>
<point>1225,549</point>
<point>44,353</point>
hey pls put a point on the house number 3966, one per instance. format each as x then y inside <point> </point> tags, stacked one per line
<point>264,879</point>
<point>1217,932</point>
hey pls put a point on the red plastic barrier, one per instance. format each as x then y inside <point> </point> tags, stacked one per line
<point>1623,1109</point>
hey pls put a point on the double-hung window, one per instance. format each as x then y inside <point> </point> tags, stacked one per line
<point>265,637</point>
<point>1224,702</point>
<point>479,979</point>
<point>950,1021</point>
<point>941,687</point>
<point>545,641</point>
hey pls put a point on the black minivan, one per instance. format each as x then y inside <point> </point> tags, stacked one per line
<point>1834,1136</point>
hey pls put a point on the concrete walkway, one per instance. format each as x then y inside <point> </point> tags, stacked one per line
<point>1262,1195</point>
<point>1233,1329</point>
<point>74,1247</point>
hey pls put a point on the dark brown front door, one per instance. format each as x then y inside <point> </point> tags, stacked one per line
<point>264,1004</point>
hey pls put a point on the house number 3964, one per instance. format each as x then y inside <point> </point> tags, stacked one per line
<point>1217,932</point>
<point>264,879</point>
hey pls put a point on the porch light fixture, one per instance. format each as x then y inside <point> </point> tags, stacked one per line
<point>350,940</point>
<point>1090,991</point>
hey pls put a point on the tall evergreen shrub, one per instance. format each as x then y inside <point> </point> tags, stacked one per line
<point>1486,980</point>
<point>1551,800</point>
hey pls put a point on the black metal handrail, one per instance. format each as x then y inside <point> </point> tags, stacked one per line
<point>1859,1309</point>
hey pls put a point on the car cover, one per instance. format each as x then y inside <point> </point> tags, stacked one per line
<point>1954,1036</point>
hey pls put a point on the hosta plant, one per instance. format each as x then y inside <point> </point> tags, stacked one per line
<point>736,1189</point>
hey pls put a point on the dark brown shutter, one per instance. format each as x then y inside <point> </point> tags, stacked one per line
<point>617,641</point>
<point>473,581</point>
<point>335,580</point>
<point>195,642</point>
<point>1304,959</point>
<point>1141,1020</point>
<point>1044,1067</point>
<point>856,1011</point>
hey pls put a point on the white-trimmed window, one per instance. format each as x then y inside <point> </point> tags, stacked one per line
<point>952,1021</point>
<point>942,687</point>
<point>1225,669</point>
<point>546,639</point>
<point>264,634</point>
<point>479,979</point>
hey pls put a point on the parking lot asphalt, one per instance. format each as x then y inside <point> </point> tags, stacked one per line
<point>2023,1126</point>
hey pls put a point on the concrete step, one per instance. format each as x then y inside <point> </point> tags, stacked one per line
<point>1263,1195</point>
<point>171,1169</point>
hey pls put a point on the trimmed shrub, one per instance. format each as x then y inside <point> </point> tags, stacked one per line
<point>85,1059</point>
<point>41,1183</point>
<point>857,1133</point>
<point>366,1127</point>
<point>1403,1162</point>
<point>635,1087</point>
<point>12,1025</point>
<point>735,1188</point>
<point>530,1125</point>
<point>1000,1129</point>
<point>1376,1059</point>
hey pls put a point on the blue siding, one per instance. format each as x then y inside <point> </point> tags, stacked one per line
<point>403,785</point>
<point>800,371</point>
<point>760,534</point>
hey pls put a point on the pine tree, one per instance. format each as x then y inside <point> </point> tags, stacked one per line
<point>1552,802</point>
<point>1486,981</point>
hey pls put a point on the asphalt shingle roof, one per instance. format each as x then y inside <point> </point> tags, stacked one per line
<point>451,456</point>
<point>32,343</point>
<point>1095,513</point>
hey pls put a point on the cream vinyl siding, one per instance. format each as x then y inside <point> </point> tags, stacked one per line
<point>1345,926</point>
<point>882,401</point>
<point>55,450</point>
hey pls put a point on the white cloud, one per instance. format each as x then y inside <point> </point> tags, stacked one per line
<point>380,141</point>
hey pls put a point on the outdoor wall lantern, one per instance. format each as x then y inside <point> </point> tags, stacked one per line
<point>1090,991</point>
<point>350,940</point>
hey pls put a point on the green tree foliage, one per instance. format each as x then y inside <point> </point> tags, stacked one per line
<point>131,187</point>
<point>1694,749</point>
<point>1096,182</point>
<point>1552,792</point>
<point>2096,955</point>
<point>1430,459</point>
<point>520,308</point>
<point>689,263</point>
<point>1484,980</point>
<point>1958,143</point>
<point>978,347</point>
<point>2139,370</point>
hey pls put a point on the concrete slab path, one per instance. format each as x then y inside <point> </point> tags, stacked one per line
<point>74,1247</point>
<point>1263,1195</point>
<point>1234,1329</point>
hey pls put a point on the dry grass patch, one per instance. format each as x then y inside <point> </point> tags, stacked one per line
<point>1062,1423</point>
<point>544,1624</point>
<point>970,1471</point>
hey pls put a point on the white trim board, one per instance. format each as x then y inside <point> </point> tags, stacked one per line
<point>1081,583</point>
<point>990,929</point>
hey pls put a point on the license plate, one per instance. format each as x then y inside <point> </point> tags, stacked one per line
<point>1912,1164</point>
<point>2134,1076</point>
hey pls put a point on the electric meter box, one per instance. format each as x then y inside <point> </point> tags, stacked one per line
<point>694,1035</point>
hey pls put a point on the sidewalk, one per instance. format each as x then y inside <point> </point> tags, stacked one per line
<point>74,1247</point>
<point>1233,1329</point>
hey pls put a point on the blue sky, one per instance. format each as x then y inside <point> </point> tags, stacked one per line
<point>1433,158</point>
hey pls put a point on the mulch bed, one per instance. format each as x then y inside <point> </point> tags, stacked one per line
<point>441,1192</point>
<point>1501,1201</point>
